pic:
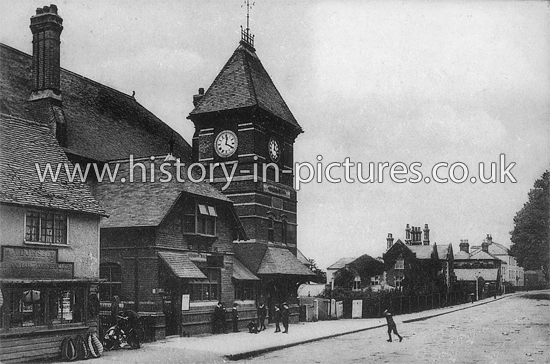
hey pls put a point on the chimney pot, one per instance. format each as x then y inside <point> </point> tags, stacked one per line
<point>53,8</point>
<point>201,91</point>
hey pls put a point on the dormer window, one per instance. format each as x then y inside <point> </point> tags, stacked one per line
<point>200,219</point>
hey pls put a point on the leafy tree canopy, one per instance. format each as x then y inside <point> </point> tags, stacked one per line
<point>530,237</point>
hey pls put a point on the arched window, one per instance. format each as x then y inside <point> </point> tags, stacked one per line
<point>112,274</point>
<point>271,230</point>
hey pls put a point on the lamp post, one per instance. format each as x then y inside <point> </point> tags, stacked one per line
<point>477,288</point>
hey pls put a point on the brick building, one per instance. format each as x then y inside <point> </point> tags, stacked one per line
<point>242,121</point>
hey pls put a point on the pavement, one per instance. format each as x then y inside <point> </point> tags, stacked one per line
<point>242,345</point>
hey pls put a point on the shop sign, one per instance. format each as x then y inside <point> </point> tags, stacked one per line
<point>185,302</point>
<point>22,262</point>
<point>276,190</point>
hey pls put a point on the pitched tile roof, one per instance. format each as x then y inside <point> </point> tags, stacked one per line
<point>181,265</point>
<point>146,204</point>
<point>241,273</point>
<point>261,259</point>
<point>471,274</point>
<point>281,261</point>
<point>341,263</point>
<point>422,251</point>
<point>23,144</point>
<point>481,255</point>
<point>244,82</point>
<point>102,123</point>
<point>443,251</point>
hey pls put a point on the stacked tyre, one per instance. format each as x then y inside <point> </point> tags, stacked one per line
<point>83,347</point>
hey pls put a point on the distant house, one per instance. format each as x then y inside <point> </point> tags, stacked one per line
<point>341,263</point>
<point>415,265</point>
<point>360,274</point>
<point>478,269</point>
<point>510,271</point>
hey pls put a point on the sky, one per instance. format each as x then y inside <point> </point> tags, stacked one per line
<point>375,82</point>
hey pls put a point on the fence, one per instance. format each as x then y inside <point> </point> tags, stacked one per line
<point>374,307</point>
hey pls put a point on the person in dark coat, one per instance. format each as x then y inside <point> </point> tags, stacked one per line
<point>235,317</point>
<point>262,313</point>
<point>277,317</point>
<point>218,320</point>
<point>285,313</point>
<point>391,326</point>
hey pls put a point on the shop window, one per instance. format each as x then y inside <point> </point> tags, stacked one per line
<point>200,219</point>
<point>208,289</point>
<point>33,307</point>
<point>45,227</point>
<point>112,286</point>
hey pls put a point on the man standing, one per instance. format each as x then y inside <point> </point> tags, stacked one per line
<point>262,313</point>
<point>235,318</point>
<point>277,318</point>
<point>285,313</point>
<point>219,319</point>
<point>391,326</point>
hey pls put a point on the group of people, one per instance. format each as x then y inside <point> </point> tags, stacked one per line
<point>281,314</point>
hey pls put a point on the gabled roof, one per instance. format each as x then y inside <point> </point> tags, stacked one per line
<point>494,248</point>
<point>481,255</point>
<point>444,251</point>
<point>132,204</point>
<point>244,82</point>
<point>261,259</point>
<point>462,255</point>
<point>341,263</point>
<point>24,145</point>
<point>422,251</point>
<point>102,123</point>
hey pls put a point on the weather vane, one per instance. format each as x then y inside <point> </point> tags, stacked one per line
<point>245,34</point>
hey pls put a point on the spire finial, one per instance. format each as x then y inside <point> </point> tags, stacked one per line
<point>245,34</point>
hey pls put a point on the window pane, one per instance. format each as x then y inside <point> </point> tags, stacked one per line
<point>201,229</point>
<point>203,210</point>
<point>212,211</point>
<point>32,226</point>
<point>189,223</point>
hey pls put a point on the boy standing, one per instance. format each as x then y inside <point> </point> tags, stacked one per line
<point>391,326</point>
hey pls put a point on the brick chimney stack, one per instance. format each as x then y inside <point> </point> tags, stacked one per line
<point>46,102</point>
<point>426,240</point>
<point>464,246</point>
<point>489,239</point>
<point>408,235</point>
<point>485,247</point>
<point>46,27</point>
<point>197,98</point>
<point>389,241</point>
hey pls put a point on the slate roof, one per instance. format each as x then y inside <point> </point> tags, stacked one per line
<point>481,255</point>
<point>261,259</point>
<point>422,251</point>
<point>244,82</point>
<point>132,204</point>
<point>444,250</point>
<point>341,263</point>
<point>494,248</point>
<point>470,274</point>
<point>241,273</point>
<point>181,265</point>
<point>102,123</point>
<point>24,143</point>
<point>462,255</point>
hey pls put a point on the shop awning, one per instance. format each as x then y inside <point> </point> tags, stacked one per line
<point>181,265</point>
<point>241,273</point>
<point>282,261</point>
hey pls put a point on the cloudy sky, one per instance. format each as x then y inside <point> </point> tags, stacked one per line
<point>376,82</point>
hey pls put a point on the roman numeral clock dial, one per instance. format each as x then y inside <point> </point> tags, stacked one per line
<point>226,143</point>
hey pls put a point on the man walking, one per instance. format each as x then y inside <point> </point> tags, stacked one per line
<point>391,326</point>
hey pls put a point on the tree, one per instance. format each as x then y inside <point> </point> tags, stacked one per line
<point>530,237</point>
<point>320,275</point>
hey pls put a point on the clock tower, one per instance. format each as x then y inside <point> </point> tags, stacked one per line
<point>245,130</point>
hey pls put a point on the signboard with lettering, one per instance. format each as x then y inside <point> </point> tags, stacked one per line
<point>36,263</point>
<point>276,190</point>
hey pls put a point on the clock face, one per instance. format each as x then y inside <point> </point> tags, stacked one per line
<point>274,149</point>
<point>226,143</point>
